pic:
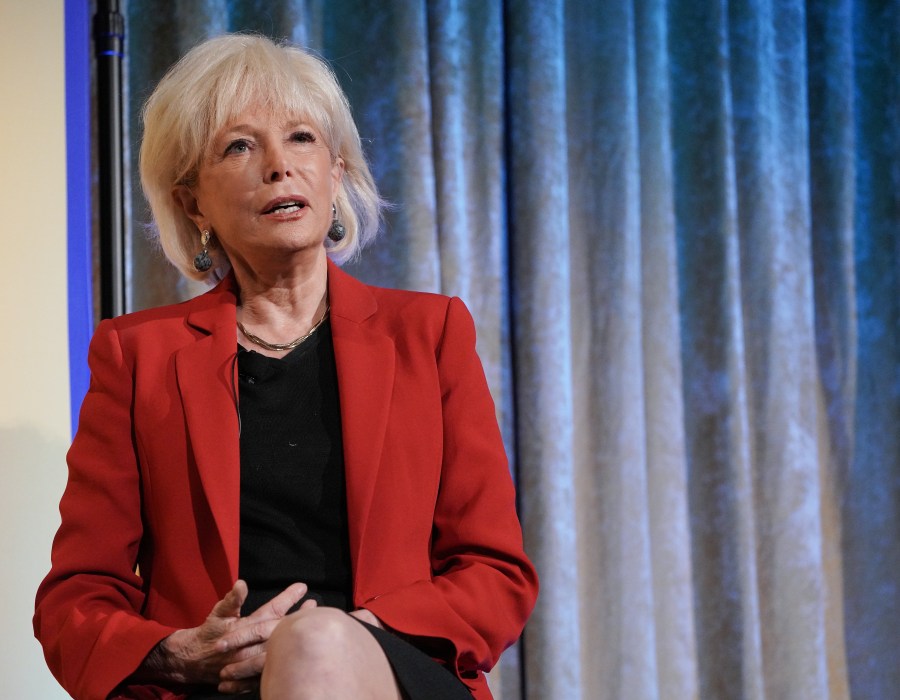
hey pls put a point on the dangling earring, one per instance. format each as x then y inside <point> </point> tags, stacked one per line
<point>337,231</point>
<point>202,261</point>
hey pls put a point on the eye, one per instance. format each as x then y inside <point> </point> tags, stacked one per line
<point>237,146</point>
<point>303,137</point>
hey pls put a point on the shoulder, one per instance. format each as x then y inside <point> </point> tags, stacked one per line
<point>439,324</point>
<point>421,310</point>
<point>404,301</point>
<point>147,318</point>
<point>174,323</point>
<point>395,310</point>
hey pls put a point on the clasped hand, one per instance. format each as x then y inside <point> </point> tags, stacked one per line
<point>226,650</point>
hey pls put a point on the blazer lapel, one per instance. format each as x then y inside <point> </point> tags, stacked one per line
<point>365,366</point>
<point>205,371</point>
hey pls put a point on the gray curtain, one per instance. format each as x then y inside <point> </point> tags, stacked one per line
<point>678,227</point>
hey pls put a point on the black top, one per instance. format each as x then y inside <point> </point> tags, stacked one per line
<point>293,503</point>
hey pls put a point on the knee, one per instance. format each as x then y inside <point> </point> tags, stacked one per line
<point>317,634</point>
<point>325,653</point>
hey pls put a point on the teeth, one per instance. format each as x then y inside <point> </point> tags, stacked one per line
<point>287,206</point>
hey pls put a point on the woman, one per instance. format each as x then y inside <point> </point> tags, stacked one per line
<point>293,485</point>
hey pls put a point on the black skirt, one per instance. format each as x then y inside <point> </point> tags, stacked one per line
<point>419,676</point>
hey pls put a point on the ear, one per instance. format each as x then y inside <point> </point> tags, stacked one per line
<point>337,174</point>
<point>183,196</point>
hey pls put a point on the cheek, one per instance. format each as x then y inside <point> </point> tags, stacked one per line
<point>234,193</point>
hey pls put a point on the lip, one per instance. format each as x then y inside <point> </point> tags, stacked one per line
<point>278,201</point>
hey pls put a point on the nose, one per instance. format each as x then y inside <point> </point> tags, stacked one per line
<point>278,175</point>
<point>276,166</point>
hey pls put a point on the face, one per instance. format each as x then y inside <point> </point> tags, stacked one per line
<point>265,188</point>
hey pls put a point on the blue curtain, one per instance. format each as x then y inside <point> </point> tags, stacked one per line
<point>677,224</point>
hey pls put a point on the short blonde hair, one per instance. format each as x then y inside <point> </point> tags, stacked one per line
<point>213,83</point>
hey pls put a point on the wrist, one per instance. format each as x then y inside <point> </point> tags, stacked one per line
<point>163,662</point>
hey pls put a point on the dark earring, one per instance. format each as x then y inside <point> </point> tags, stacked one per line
<point>202,261</point>
<point>337,231</point>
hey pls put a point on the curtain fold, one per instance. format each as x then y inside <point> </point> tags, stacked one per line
<point>542,323</point>
<point>871,494</point>
<point>670,535</point>
<point>677,224</point>
<point>720,482</point>
<point>768,75</point>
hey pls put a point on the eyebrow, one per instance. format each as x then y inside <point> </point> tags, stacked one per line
<point>291,124</point>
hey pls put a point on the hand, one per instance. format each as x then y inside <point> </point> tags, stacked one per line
<point>224,642</point>
<point>247,642</point>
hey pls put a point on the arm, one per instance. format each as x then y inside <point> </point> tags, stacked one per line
<point>483,587</point>
<point>87,608</point>
<point>90,608</point>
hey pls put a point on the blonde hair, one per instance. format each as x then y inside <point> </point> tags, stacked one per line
<point>213,83</point>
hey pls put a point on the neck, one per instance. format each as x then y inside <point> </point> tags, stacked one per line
<point>281,306</point>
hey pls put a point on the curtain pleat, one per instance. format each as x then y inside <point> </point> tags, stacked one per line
<point>720,484</point>
<point>667,503</point>
<point>542,324</point>
<point>677,224</point>
<point>871,499</point>
<point>832,202</point>
<point>614,546</point>
<point>771,165</point>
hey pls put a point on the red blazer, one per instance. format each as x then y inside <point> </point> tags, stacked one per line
<point>154,485</point>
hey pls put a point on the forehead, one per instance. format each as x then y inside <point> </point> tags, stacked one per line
<point>259,106</point>
<point>257,117</point>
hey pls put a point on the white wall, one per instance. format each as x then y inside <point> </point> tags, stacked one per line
<point>34,376</point>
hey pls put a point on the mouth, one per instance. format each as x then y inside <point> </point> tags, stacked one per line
<point>285,205</point>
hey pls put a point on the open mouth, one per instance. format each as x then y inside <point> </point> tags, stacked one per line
<point>285,206</point>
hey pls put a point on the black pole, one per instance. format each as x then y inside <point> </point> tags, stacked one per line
<point>109,40</point>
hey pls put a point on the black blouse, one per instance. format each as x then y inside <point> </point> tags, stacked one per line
<point>293,503</point>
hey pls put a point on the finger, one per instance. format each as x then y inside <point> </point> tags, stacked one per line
<point>244,653</point>
<point>279,606</point>
<point>246,633</point>
<point>230,605</point>
<point>238,687</point>
<point>258,627</point>
<point>244,670</point>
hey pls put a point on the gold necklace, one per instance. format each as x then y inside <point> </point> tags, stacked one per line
<point>281,347</point>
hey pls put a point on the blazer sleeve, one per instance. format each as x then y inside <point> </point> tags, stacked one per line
<point>87,610</point>
<point>483,586</point>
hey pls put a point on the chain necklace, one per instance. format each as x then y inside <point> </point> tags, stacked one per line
<point>281,347</point>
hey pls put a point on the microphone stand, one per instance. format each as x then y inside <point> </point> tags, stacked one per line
<point>109,41</point>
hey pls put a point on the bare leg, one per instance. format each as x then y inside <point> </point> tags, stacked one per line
<point>323,653</point>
